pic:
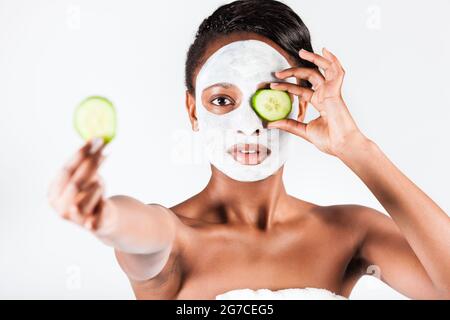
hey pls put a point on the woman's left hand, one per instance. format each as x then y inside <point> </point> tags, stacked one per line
<point>334,129</point>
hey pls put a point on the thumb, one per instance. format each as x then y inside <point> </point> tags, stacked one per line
<point>290,125</point>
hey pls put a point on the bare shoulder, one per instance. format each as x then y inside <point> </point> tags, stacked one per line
<point>356,226</point>
<point>353,217</point>
<point>348,224</point>
<point>367,227</point>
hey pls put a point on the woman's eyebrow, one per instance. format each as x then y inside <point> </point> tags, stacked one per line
<point>224,85</point>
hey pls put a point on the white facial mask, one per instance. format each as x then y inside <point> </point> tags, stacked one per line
<point>244,64</point>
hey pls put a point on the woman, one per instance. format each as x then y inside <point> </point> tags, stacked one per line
<point>243,230</point>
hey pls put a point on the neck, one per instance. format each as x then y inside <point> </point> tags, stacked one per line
<point>250,203</point>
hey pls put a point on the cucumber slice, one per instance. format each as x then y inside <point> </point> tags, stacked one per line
<point>95,117</point>
<point>271,105</point>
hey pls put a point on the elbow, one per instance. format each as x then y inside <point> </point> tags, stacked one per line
<point>142,267</point>
<point>443,292</point>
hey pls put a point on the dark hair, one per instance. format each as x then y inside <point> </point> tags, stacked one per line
<point>269,18</point>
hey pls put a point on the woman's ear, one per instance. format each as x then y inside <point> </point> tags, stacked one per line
<point>190,107</point>
<point>302,105</point>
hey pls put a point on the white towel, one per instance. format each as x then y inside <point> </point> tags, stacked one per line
<point>283,294</point>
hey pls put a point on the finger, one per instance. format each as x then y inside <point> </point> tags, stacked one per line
<point>336,63</point>
<point>290,125</point>
<point>87,190</point>
<point>71,208</point>
<point>305,93</point>
<point>72,195</point>
<point>88,204</point>
<point>94,178</point>
<point>66,201</point>
<point>87,168</point>
<point>75,215</point>
<point>91,222</point>
<point>89,148</point>
<point>329,55</point>
<point>93,183</point>
<point>78,157</point>
<point>310,74</point>
<point>58,184</point>
<point>318,60</point>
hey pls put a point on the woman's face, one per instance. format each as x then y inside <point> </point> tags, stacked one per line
<point>235,138</point>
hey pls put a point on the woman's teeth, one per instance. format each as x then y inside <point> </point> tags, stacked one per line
<point>248,151</point>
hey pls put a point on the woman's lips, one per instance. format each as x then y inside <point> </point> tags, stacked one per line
<point>249,154</point>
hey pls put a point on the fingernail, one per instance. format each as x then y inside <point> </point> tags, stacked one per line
<point>96,144</point>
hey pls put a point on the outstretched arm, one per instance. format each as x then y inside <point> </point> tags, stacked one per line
<point>141,234</point>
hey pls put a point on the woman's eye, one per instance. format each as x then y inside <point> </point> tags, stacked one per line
<point>221,101</point>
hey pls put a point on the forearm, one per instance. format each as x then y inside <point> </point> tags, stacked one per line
<point>133,227</point>
<point>424,225</point>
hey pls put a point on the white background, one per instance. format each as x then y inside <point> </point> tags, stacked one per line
<point>55,53</point>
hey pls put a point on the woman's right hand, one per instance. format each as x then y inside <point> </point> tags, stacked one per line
<point>76,193</point>
<point>141,234</point>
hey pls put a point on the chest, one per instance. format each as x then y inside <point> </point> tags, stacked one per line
<point>217,262</point>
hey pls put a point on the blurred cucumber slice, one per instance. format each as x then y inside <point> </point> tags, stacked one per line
<point>96,117</point>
